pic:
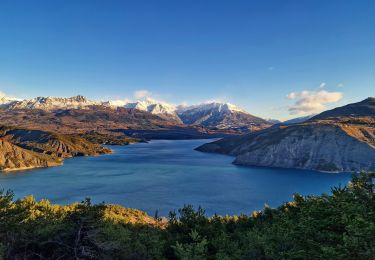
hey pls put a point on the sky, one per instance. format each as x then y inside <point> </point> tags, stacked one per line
<point>276,59</point>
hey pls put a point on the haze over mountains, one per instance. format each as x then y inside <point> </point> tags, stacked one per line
<point>341,139</point>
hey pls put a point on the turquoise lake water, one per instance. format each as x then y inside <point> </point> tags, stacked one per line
<point>164,175</point>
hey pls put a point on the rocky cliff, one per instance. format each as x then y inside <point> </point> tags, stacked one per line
<point>338,140</point>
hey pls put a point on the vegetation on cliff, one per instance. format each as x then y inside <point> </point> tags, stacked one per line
<point>336,226</point>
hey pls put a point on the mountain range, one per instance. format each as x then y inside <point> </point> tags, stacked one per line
<point>342,139</point>
<point>212,115</point>
<point>42,131</point>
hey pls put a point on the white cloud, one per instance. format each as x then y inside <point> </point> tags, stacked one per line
<point>142,94</point>
<point>322,85</point>
<point>119,102</point>
<point>2,94</point>
<point>340,85</point>
<point>308,102</point>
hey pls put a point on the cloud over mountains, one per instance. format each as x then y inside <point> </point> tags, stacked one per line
<point>307,102</point>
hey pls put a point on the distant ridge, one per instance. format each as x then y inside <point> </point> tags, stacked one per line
<point>297,120</point>
<point>365,108</point>
<point>221,116</point>
<point>213,115</point>
<point>53,103</point>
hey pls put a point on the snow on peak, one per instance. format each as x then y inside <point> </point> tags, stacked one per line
<point>211,105</point>
<point>155,107</point>
<point>159,108</point>
<point>52,103</point>
<point>5,101</point>
<point>152,106</point>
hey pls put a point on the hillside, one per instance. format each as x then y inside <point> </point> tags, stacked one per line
<point>335,226</point>
<point>104,120</point>
<point>50,143</point>
<point>361,110</point>
<point>342,139</point>
<point>98,118</point>
<point>13,157</point>
<point>26,148</point>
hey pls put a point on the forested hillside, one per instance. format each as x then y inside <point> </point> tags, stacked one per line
<point>336,226</point>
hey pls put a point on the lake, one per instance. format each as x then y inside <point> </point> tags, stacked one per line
<point>164,175</point>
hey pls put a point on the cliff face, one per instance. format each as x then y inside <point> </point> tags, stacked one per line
<point>13,157</point>
<point>323,147</point>
<point>339,143</point>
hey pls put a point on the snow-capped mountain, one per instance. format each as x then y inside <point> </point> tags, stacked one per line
<point>221,116</point>
<point>6,101</point>
<point>215,115</point>
<point>160,109</point>
<point>225,107</point>
<point>54,103</point>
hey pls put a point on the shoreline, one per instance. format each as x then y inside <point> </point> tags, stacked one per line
<point>8,170</point>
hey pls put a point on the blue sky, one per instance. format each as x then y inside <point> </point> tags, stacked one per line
<point>250,53</point>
